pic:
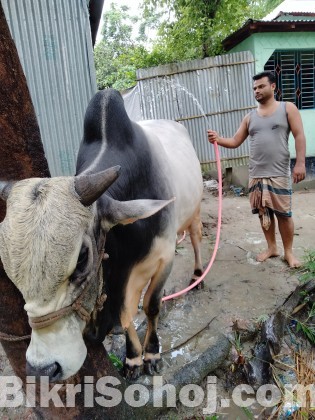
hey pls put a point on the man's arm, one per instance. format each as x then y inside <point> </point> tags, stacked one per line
<point>296,126</point>
<point>231,142</point>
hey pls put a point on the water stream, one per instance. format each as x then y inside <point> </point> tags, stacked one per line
<point>176,86</point>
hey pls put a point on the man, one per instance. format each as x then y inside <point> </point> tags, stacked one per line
<point>270,187</point>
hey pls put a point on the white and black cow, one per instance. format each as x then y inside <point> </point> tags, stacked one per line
<point>52,237</point>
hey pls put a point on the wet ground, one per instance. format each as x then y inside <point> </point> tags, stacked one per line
<point>237,287</point>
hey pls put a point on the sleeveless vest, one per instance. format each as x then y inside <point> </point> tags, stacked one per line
<point>268,143</point>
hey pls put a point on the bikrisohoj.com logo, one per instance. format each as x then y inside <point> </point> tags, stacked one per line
<point>104,392</point>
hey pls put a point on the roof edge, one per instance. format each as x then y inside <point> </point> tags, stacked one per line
<point>255,26</point>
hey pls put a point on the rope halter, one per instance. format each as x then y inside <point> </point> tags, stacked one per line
<point>76,306</point>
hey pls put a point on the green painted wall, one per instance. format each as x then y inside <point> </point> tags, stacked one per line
<point>308,117</point>
<point>262,45</point>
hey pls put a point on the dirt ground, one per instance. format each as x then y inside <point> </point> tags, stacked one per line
<point>237,287</point>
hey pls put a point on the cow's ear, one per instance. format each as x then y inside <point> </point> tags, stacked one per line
<point>5,188</point>
<point>125,212</point>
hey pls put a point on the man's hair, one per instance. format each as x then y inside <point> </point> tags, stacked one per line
<point>271,76</point>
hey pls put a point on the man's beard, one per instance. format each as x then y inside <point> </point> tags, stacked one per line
<point>261,99</point>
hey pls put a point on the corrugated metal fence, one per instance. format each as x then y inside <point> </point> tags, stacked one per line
<point>211,93</point>
<point>53,40</point>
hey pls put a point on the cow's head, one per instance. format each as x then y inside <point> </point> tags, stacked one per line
<point>48,248</point>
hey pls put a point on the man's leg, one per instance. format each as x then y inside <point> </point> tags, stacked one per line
<point>270,236</point>
<point>286,228</point>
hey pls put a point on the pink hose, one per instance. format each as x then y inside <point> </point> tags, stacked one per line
<point>217,240</point>
<point>182,238</point>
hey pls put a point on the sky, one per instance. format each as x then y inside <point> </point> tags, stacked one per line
<point>292,6</point>
<point>132,4</point>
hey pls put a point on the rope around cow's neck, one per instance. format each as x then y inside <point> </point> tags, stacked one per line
<point>217,240</point>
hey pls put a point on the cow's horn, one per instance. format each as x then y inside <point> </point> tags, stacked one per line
<point>5,188</point>
<point>90,187</point>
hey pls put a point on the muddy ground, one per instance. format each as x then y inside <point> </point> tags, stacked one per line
<point>237,287</point>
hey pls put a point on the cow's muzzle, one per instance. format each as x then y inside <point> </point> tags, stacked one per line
<point>53,371</point>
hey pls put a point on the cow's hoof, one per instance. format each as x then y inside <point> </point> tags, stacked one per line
<point>131,373</point>
<point>199,286</point>
<point>153,366</point>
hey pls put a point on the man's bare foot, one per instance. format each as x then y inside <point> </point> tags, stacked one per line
<point>270,252</point>
<point>292,260</point>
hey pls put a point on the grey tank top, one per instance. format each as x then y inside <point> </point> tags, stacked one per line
<point>268,143</point>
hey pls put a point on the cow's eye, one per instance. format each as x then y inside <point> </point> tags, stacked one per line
<point>83,259</point>
<point>82,267</point>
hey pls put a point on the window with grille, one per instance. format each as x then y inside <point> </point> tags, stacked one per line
<point>295,73</point>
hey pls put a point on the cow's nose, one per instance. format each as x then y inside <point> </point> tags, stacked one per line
<point>53,371</point>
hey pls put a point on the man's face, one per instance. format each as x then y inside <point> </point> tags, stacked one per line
<point>263,89</point>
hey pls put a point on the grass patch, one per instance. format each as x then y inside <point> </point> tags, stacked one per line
<point>308,267</point>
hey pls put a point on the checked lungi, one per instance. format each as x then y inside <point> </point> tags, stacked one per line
<point>270,195</point>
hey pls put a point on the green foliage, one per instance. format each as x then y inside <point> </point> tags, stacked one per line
<point>307,327</point>
<point>198,28</point>
<point>186,30</point>
<point>248,413</point>
<point>237,342</point>
<point>308,268</point>
<point>119,54</point>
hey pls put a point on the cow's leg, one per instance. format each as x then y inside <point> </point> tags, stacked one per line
<point>195,231</point>
<point>151,306</point>
<point>133,364</point>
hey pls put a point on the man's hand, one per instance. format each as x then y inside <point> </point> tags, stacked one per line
<point>298,173</point>
<point>213,136</point>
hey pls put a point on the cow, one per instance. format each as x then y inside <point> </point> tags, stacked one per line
<point>82,249</point>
